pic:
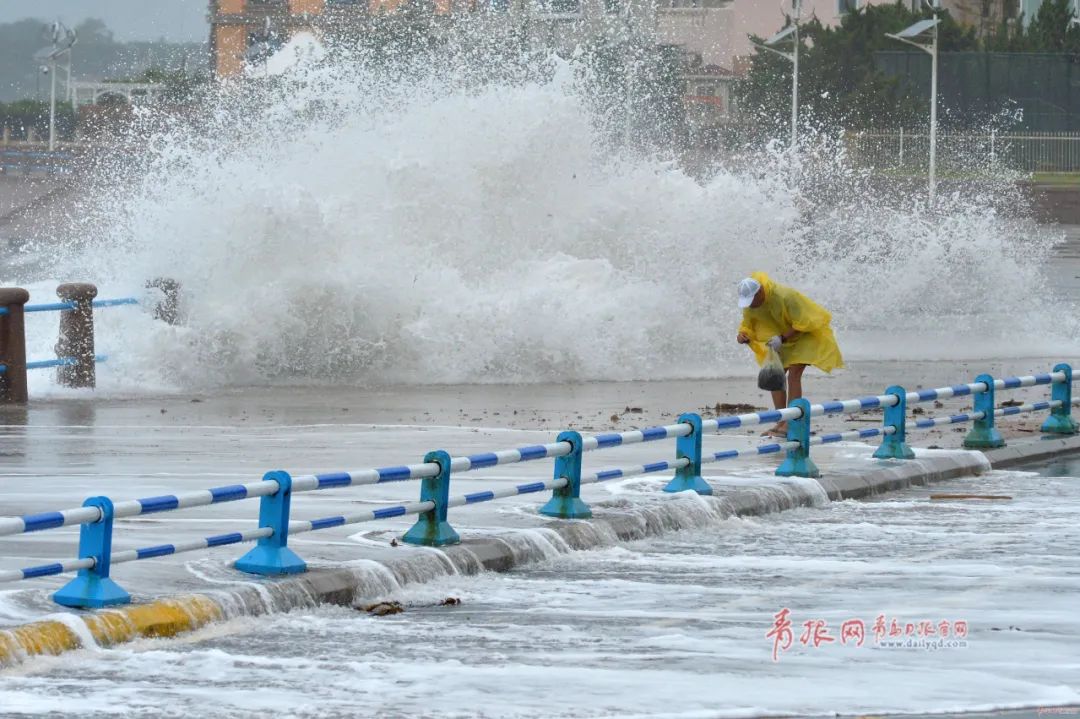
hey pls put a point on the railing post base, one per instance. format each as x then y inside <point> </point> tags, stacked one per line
<point>91,592</point>
<point>432,528</point>
<point>92,588</point>
<point>689,477</point>
<point>272,556</point>
<point>271,561</point>
<point>566,502</point>
<point>979,438</point>
<point>894,446</point>
<point>696,484</point>
<point>798,462</point>
<point>984,435</point>
<point>798,467</point>
<point>1060,420</point>
<point>566,508</point>
<point>1055,424</point>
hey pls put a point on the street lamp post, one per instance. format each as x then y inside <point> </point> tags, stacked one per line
<point>792,31</point>
<point>908,36</point>
<point>933,110</point>
<point>63,40</point>
<point>795,78</point>
<point>52,107</point>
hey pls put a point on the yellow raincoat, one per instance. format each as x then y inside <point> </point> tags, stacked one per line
<point>785,309</point>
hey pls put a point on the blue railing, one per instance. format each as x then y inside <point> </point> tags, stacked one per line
<point>24,161</point>
<point>66,307</point>
<point>272,556</point>
<point>58,362</point>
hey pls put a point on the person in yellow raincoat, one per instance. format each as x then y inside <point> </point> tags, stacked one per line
<point>783,318</point>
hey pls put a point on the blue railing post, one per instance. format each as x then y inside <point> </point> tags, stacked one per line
<point>431,528</point>
<point>798,462</point>
<point>894,446</point>
<point>92,588</point>
<point>566,502</point>
<point>272,556</point>
<point>689,477</point>
<point>1060,420</point>
<point>984,435</point>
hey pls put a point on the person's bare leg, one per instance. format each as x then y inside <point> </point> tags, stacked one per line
<point>779,400</point>
<point>794,381</point>
<point>794,392</point>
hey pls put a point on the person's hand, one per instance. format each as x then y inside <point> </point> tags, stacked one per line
<point>775,342</point>
<point>743,338</point>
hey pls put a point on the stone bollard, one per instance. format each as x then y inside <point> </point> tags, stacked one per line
<point>77,335</point>
<point>13,345</point>
<point>167,308</point>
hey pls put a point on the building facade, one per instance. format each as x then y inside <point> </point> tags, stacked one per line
<point>985,16</point>
<point>240,27</point>
<point>700,27</point>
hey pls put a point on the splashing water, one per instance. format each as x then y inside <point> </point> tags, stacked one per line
<point>347,225</point>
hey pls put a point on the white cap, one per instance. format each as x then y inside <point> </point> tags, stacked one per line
<point>748,289</point>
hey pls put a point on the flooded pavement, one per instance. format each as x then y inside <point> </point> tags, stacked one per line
<point>675,626</point>
<point>58,452</point>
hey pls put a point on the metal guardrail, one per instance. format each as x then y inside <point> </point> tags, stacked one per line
<point>77,360</point>
<point>59,362</point>
<point>968,151</point>
<point>66,307</point>
<point>95,588</point>
<point>32,162</point>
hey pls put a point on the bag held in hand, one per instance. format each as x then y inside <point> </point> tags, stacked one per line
<point>771,376</point>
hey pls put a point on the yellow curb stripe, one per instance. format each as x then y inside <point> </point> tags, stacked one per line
<point>161,618</point>
<point>49,637</point>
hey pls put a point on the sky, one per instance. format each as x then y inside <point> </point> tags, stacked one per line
<point>176,20</point>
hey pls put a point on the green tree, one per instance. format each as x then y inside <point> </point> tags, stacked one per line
<point>181,87</point>
<point>1050,29</point>
<point>22,116</point>
<point>840,85</point>
<point>637,91</point>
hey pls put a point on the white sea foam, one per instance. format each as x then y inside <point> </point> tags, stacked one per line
<point>345,225</point>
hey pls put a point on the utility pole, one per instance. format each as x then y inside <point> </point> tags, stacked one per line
<point>792,31</point>
<point>796,7</point>
<point>62,41</point>
<point>52,108</point>
<point>908,36</point>
<point>933,104</point>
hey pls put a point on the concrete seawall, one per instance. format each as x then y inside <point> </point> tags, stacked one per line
<point>613,522</point>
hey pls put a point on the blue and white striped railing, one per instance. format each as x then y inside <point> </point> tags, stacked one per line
<point>94,587</point>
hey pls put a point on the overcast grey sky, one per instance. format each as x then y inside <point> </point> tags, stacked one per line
<point>128,19</point>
